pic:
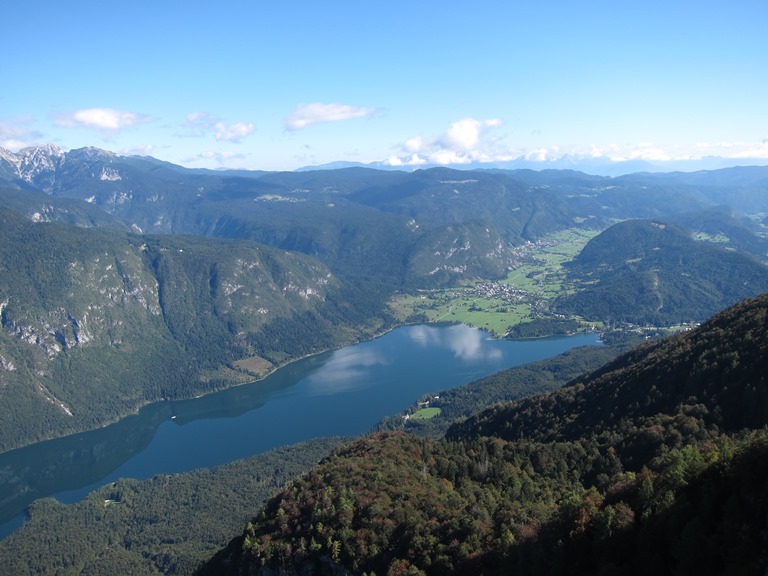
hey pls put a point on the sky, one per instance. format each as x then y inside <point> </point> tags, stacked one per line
<point>281,85</point>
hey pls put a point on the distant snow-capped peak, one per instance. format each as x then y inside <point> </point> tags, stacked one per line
<point>41,165</point>
<point>39,158</point>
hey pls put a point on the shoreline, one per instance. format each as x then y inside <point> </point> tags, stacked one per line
<point>142,405</point>
<point>234,405</point>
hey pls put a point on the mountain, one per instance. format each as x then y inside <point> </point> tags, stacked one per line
<point>38,207</point>
<point>371,226</point>
<point>35,166</point>
<point>98,322</point>
<point>651,272</point>
<point>714,375</point>
<point>600,165</point>
<point>655,463</point>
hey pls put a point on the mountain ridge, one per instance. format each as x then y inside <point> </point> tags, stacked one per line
<point>594,166</point>
<point>655,272</point>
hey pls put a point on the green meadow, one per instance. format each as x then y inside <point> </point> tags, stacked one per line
<point>494,306</point>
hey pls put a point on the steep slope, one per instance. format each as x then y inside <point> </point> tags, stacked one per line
<point>43,208</point>
<point>622,471</point>
<point>714,376</point>
<point>650,272</point>
<point>96,323</point>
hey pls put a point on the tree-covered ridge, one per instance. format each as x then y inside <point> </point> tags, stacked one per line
<point>728,229</point>
<point>680,390</point>
<point>394,505</point>
<point>651,272</point>
<point>623,471</point>
<point>457,404</point>
<point>96,323</point>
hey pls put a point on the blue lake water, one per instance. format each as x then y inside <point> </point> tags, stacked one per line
<point>340,393</point>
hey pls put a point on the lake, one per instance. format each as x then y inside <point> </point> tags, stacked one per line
<point>340,393</point>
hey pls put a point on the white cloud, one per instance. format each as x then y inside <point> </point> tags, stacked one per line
<point>201,118</point>
<point>665,153</point>
<point>13,145</point>
<point>414,145</point>
<point>307,114</point>
<point>471,140</point>
<point>539,155</point>
<point>465,135</point>
<point>466,140</point>
<point>413,160</point>
<point>233,132</point>
<point>638,151</point>
<point>734,149</point>
<point>104,119</point>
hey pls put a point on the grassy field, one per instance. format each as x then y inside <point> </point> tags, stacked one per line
<point>495,305</point>
<point>542,271</point>
<point>425,413</point>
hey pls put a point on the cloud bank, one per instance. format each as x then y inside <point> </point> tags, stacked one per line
<point>472,141</point>
<point>466,140</point>
<point>307,114</point>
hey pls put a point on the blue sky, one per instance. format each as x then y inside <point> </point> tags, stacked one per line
<point>279,85</point>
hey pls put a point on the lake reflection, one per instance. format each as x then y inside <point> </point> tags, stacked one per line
<point>339,393</point>
<point>466,343</point>
<point>348,369</point>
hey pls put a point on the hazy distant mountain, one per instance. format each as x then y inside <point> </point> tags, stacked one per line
<point>597,166</point>
<point>384,227</point>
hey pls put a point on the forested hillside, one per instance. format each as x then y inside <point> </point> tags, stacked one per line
<point>95,323</point>
<point>654,463</point>
<point>651,272</point>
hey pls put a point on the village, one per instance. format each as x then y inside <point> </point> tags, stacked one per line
<point>499,291</point>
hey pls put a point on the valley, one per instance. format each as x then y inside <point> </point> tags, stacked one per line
<point>132,285</point>
<point>525,294</point>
